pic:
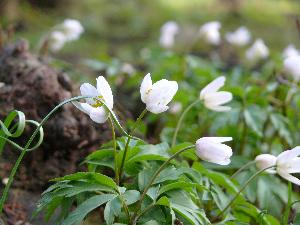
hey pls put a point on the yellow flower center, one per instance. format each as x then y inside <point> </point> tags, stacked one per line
<point>98,103</point>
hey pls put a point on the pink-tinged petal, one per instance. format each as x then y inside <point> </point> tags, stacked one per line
<point>213,86</point>
<point>104,90</point>
<point>146,87</point>
<point>289,177</point>
<point>288,155</point>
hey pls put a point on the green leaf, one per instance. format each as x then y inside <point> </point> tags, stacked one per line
<point>87,206</point>
<point>131,196</point>
<point>255,118</point>
<point>281,124</point>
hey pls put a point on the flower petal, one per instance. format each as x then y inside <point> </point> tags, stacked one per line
<point>87,89</point>
<point>289,177</point>
<point>213,86</point>
<point>105,91</point>
<point>287,155</point>
<point>84,107</point>
<point>145,87</point>
<point>219,108</point>
<point>156,109</point>
<point>217,98</point>
<point>218,139</point>
<point>99,115</point>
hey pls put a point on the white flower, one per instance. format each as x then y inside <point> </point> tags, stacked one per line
<point>264,161</point>
<point>158,95</point>
<point>94,107</point>
<point>2,84</point>
<point>127,68</point>
<point>167,34</point>
<point>292,66</point>
<point>5,181</point>
<point>240,37</point>
<point>175,107</point>
<point>210,32</point>
<point>257,51</point>
<point>72,29</point>
<point>290,51</point>
<point>287,163</point>
<point>214,99</point>
<point>212,150</point>
<point>56,41</point>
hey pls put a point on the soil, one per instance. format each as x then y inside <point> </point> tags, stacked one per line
<point>33,87</point>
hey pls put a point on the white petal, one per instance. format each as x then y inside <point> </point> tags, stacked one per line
<point>289,177</point>
<point>217,139</point>
<point>105,91</point>
<point>84,107</point>
<point>217,98</point>
<point>99,115</point>
<point>162,92</point>
<point>287,155</point>
<point>213,86</point>
<point>87,89</point>
<point>156,109</point>
<point>295,165</point>
<point>145,87</point>
<point>219,108</point>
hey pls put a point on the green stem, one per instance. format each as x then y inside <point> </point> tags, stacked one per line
<point>128,141</point>
<point>21,156</point>
<point>115,148</point>
<point>142,212</point>
<point>242,168</point>
<point>125,208</point>
<point>181,120</point>
<point>156,175</point>
<point>286,215</point>
<point>242,189</point>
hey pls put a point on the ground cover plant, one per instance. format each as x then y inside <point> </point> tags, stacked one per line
<point>198,130</point>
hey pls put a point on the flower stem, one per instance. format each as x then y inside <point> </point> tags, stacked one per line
<point>128,141</point>
<point>286,215</point>
<point>23,152</point>
<point>242,189</point>
<point>242,168</point>
<point>156,175</point>
<point>115,148</point>
<point>181,120</point>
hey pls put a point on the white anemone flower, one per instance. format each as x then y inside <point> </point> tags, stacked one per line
<point>290,51</point>
<point>158,95</point>
<point>167,34</point>
<point>214,99</point>
<point>257,51</point>
<point>287,163</point>
<point>210,32</point>
<point>72,29</point>
<point>292,66</point>
<point>57,40</point>
<point>240,37</point>
<point>213,150</point>
<point>264,161</point>
<point>93,107</point>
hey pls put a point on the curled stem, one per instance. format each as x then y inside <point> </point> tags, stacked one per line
<point>128,140</point>
<point>24,150</point>
<point>115,148</point>
<point>242,189</point>
<point>178,126</point>
<point>156,175</point>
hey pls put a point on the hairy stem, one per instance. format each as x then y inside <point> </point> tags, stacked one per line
<point>178,126</point>
<point>128,141</point>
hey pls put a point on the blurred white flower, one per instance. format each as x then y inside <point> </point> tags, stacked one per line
<point>257,51</point>
<point>210,32</point>
<point>212,150</point>
<point>5,180</point>
<point>292,66</point>
<point>264,161</point>
<point>127,69</point>
<point>287,163</point>
<point>214,99</point>
<point>240,37</point>
<point>93,107</point>
<point>175,107</point>
<point>158,95</point>
<point>56,41</point>
<point>2,84</point>
<point>72,29</point>
<point>167,34</point>
<point>290,51</point>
